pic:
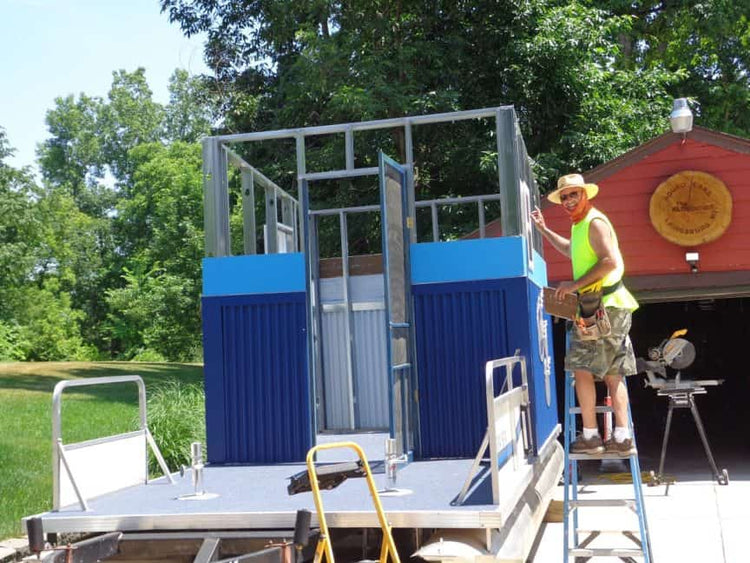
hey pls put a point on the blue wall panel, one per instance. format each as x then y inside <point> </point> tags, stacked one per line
<point>257,387</point>
<point>458,328</point>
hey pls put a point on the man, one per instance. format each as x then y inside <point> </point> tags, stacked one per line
<point>597,266</point>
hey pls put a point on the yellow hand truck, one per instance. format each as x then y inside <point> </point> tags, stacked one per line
<point>324,549</point>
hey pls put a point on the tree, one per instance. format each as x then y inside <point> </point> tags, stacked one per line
<point>707,43</point>
<point>189,113</point>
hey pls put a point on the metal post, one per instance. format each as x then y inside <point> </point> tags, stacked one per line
<point>349,149</point>
<point>316,323</point>
<point>272,228</point>
<point>287,217</point>
<point>248,212</point>
<point>301,170</point>
<point>508,172</point>
<point>348,324</point>
<point>435,225</point>
<point>410,194</point>
<point>480,209</point>
<point>215,199</point>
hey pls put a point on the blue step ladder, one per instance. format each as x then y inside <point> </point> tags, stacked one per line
<point>578,549</point>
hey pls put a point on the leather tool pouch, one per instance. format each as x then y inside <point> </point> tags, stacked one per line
<point>592,321</point>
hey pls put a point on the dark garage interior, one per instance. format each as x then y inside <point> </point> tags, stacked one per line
<point>720,331</point>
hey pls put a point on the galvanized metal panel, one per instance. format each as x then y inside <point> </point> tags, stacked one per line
<point>372,368</point>
<point>370,371</point>
<point>339,406</point>
<point>257,386</point>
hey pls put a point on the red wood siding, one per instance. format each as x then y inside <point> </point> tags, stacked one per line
<point>624,197</point>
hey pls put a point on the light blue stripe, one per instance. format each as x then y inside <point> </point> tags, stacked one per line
<point>254,274</point>
<point>539,273</point>
<point>466,260</point>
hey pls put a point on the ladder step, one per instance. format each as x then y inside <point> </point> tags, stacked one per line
<point>635,533</point>
<point>599,409</point>
<point>605,552</point>
<point>601,502</point>
<point>601,456</point>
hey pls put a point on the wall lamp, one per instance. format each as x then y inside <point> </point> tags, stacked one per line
<point>692,259</point>
<point>681,118</point>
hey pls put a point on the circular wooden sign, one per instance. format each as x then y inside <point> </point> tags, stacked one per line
<point>691,208</point>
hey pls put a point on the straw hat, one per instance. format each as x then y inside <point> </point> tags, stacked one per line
<point>572,181</point>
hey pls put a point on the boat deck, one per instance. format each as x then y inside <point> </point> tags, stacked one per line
<point>255,497</point>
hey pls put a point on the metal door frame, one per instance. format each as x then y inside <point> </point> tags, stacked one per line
<point>403,420</point>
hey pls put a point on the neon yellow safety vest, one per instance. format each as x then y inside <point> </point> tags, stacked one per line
<point>583,259</point>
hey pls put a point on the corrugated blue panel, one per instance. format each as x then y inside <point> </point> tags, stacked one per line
<point>459,327</point>
<point>257,386</point>
<point>541,386</point>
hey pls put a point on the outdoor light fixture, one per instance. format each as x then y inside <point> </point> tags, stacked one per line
<point>681,117</point>
<point>692,259</point>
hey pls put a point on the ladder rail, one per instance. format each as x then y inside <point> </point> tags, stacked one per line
<point>324,548</point>
<point>571,505</point>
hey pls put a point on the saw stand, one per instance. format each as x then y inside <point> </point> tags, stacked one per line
<point>682,396</point>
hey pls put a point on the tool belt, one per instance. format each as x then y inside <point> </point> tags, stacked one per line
<point>592,321</point>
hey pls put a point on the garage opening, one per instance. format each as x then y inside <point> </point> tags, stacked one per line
<point>720,331</point>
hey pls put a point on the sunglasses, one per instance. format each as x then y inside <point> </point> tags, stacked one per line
<point>572,195</point>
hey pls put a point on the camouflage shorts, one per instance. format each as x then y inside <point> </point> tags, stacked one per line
<point>611,355</point>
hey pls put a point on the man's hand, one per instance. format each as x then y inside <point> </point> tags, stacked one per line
<point>538,219</point>
<point>565,288</point>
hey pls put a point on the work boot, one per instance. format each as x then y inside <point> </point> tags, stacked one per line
<point>623,449</point>
<point>593,445</point>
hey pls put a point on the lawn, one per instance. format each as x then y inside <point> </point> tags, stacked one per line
<point>89,412</point>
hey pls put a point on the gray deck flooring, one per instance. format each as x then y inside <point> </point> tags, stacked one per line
<point>256,497</point>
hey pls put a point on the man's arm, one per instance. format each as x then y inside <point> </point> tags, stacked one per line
<point>560,243</point>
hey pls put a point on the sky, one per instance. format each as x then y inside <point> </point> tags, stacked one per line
<point>52,48</point>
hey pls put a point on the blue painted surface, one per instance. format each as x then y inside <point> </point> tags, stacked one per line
<point>468,260</point>
<point>539,272</point>
<point>257,385</point>
<point>254,274</point>
<point>459,327</point>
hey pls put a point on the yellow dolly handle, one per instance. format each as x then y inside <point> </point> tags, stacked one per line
<point>324,543</point>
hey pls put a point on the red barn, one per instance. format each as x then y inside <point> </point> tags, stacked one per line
<point>656,269</point>
<point>709,297</point>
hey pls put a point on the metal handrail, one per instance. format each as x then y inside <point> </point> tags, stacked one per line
<point>58,454</point>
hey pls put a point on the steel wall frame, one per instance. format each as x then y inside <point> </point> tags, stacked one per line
<point>513,172</point>
<point>512,163</point>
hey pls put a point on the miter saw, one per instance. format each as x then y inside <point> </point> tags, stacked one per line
<point>677,354</point>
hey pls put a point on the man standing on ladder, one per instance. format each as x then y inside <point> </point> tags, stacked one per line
<point>600,347</point>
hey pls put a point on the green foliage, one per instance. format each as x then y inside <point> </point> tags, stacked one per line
<point>11,346</point>
<point>589,80</point>
<point>176,418</point>
<point>120,228</point>
<point>25,391</point>
<point>50,328</point>
<point>150,312</point>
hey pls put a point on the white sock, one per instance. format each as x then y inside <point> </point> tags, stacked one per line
<point>621,434</point>
<point>589,433</point>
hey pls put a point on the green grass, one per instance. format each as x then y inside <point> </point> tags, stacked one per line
<point>88,412</point>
